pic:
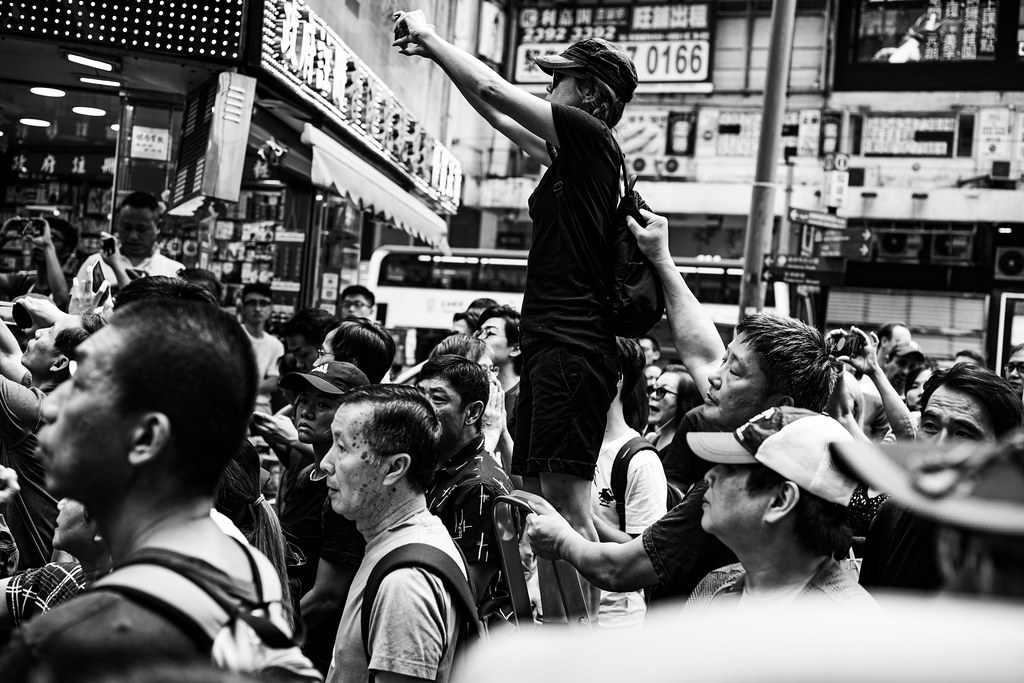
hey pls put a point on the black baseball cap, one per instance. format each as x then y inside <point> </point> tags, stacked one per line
<point>597,58</point>
<point>333,377</point>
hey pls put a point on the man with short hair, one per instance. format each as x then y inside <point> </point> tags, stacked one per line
<point>772,361</point>
<point>384,457</point>
<point>468,478</point>
<point>969,356</point>
<point>162,287</point>
<point>159,404</point>
<point>45,364</point>
<point>499,328</point>
<point>303,335</point>
<point>777,500</point>
<point>330,544</point>
<point>257,304</point>
<point>138,228</point>
<point>652,349</point>
<point>964,403</point>
<point>1013,371</point>
<point>358,301</point>
<point>52,245</point>
<point>901,360</point>
<point>363,343</point>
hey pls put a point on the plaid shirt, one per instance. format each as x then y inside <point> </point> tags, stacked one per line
<point>39,590</point>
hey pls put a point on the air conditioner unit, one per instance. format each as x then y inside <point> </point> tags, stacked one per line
<point>671,167</point>
<point>898,246</point>
<point>642,166</point>
<point>952,248</point>
<point>1009,263</point>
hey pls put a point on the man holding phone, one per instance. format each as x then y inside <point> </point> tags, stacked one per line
<point>135,253</point>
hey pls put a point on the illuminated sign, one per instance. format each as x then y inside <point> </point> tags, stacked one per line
<point>302,51</point>
<point>211,29</point>
<point>908,31</point>
<point>670,44</point>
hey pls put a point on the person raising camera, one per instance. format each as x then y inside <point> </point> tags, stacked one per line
<point>53,241</point>
<point>570,366</point>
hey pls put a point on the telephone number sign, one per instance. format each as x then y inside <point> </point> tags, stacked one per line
<point>669,44</point>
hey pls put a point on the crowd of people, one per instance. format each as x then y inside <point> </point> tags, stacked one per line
<point>187,495</point>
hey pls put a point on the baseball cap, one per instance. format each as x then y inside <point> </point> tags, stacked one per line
<point>333,377</point>
<point>977,486</point>
<point>910,348</point>
<point>597,58</point>
<point>792,442</point>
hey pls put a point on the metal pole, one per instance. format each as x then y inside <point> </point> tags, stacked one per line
<point>785,228</point>
<point>762,200</point>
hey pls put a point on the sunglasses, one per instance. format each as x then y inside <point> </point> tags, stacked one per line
<point>658,393</point>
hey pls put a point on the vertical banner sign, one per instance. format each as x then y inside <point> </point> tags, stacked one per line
<point>670,44</point>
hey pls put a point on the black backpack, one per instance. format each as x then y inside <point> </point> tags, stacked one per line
<point>441,565</point>
<point>637,299</point>
<point>620,473</point>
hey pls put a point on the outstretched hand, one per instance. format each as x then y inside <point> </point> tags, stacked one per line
<point>410,29</point>
<point>652,238</point>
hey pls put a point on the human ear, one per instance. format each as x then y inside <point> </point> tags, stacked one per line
<point>782,503</point>
<point>59,364</point>
<point>150,436</point>
<point>474,411</point>
<point>397,467</point>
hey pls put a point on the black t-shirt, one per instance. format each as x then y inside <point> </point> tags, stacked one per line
<point>682,466</point>
<point>900,552</point>
<point>13,285</point>
<point>573,209</point>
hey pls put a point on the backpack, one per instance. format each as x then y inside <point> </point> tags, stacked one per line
<point>637,298</point>
<point>241,635</point>
<point>441,565</point>
<point>620,473</point>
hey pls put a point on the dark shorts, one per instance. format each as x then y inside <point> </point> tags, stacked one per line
<point>564,395</point>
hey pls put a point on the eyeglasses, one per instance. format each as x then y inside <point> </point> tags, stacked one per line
<point>321,352</point>
<point>257,303</point>
<point>487,332</point>
<point>658,393</point>
<point>1015,367</point>
<point>354,305</point>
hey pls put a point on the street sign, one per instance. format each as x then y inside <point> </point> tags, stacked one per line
<point>836,185</point>
<point>836,161</point>
<point>850,243</point>
<point>818,219</point>
<point>805,270</point>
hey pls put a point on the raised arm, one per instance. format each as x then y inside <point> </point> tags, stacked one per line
<point>696,338</point>
<point>520,116</point>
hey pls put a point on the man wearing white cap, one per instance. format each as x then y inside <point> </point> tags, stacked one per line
<point>777,500</point>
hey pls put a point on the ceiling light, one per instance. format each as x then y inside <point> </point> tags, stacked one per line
<point>90,62</point>
<point>99,81</point>
<point>89,111</point>
<point>35,123</point>
<point>115,127</point>
<point>47,92</point>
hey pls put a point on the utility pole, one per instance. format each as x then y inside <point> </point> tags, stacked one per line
<point>762,200</point>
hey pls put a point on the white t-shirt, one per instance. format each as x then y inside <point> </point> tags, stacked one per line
<point>268,350</point>
<point>157,264</point>
<point>646,491</point>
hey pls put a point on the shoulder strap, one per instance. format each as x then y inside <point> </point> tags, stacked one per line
<point>620,474</point>
<point>435,561</point>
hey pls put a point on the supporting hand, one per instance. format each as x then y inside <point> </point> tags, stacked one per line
<point>653,237</point>
<point>548,531</point>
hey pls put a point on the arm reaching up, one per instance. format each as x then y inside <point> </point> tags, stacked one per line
<point>696,338</point>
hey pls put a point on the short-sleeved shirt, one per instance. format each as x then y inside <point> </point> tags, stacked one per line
<point>461,496</point>
<point>412,618</point>
<point>682,466</point>
<point>156,264</point>
<point>39,590</point>
<point>268,350</point>
<point>32,514</point>
<point>681,552</point>
<point>573,209</point>
<point>646,492</point>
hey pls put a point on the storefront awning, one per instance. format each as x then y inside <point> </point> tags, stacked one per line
<point>334,165</point>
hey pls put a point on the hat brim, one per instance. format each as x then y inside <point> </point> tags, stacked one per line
<point>551,63</point>
<point>719,447</point>
<point>884,471</point>
<point>297,381</point>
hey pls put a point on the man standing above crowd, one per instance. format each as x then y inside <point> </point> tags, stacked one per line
<point>47,361</point>
<point>142,445</point>
<point>138,227</point>
<point>256,309</point>
<point>383,460</point>
<point>468,478</point>
<point>776,499</point>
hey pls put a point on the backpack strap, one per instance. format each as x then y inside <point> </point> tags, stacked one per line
<point>163,580</point>
<point>438,563</point>
<point>620,473</point>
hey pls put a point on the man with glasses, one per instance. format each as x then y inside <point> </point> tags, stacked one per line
<point>358,302</point>
<point>1014,369</point>
<point>256,308</point>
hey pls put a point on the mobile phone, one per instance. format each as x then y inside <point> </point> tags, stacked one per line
<point>401,30</point>
<point>108,243</point>
<point>849,344</point>
<point>33,227</point>
<point>97,277</point>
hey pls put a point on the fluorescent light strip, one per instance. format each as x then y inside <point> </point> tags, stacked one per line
<point>88,61</point>
<point>47,92</point>
<point>35,123</point>
<point>89,111</point>
<point>100,81</point>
